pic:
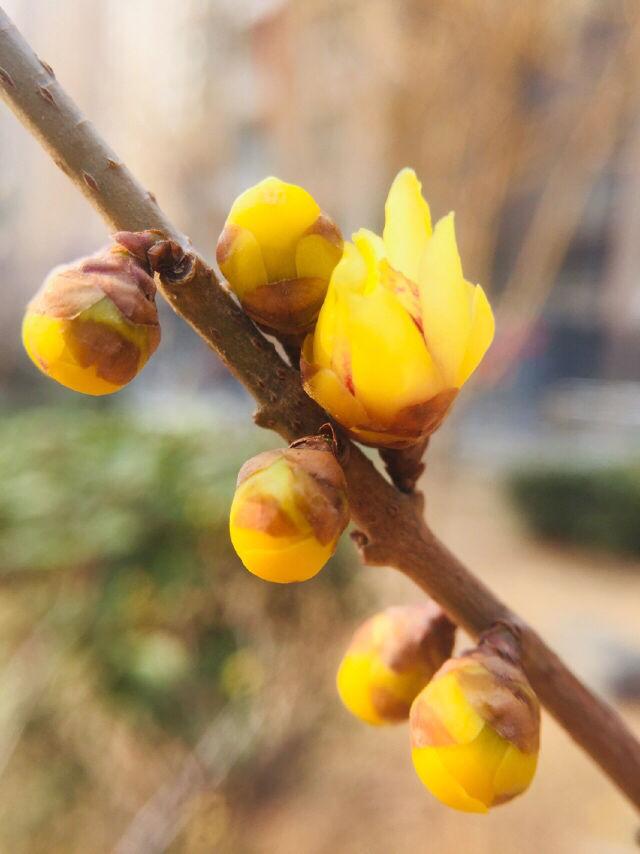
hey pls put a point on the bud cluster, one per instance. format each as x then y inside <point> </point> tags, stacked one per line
<point>394,328</point>
<point>474,720</point>
<point>393,331</point>
<point>390,331</point>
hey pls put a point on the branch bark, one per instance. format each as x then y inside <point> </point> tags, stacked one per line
<point>392,530</point>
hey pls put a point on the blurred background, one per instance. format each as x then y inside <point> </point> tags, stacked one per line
<point>153,695</point>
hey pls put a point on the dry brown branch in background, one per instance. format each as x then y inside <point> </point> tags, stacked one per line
<point>496,133</point>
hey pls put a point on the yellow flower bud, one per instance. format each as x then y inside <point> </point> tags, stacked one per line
<point>277,252</point>
<point>391,658</point>
<point>93,324</point>
<point>289,510</point>
<point>401,330</point>
<point>475,732</point>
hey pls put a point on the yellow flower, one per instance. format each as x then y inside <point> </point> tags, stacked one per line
<point>288,512</point>
<point>401,330</point>
<point>475,732</point>
<point>277,252</point>
<point>391,658</point>
<point>93,325</point>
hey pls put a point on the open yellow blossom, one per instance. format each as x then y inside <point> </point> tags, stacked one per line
<point>93,325</point>
<point>277,251</point>
<point>288,511</point>
<point>475,732</point>
<point>390,659</point>
<point>401,330</point>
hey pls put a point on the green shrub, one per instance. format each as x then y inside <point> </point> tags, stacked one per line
<point>117,534</point>
<point>591,507</point>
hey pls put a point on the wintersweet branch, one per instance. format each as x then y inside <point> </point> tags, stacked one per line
<point>391,527</point>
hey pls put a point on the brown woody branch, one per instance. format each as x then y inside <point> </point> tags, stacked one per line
<point>392,530</point>
<point>405,466</point>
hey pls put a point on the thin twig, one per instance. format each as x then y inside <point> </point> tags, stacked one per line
<point>392,528</point>
<point>592,133</point>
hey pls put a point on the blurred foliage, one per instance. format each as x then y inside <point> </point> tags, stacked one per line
<point>128,623</point>
<point>591,507</point>
<point>137,518</point>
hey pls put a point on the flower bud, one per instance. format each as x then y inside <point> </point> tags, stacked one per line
<point>93,324</point>
<point>401,330</point>
<point>391,658</point>
<point>277,251</point>
<point>475,731</point>
<point>289,510</point>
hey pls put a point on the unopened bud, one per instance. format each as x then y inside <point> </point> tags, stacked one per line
<point>475,731</point>
<point>391,658</point>
<point>93,324</point>
<point>289,510</point>
<point>277,252</point>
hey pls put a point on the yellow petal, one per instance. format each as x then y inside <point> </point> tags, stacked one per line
<point>407,224</point>
<point>249,539</point>
<point>327,390</point>
<point>480,336</point>
<point>319,346</point>
<point>474,765</point>
<point>240,260</point>
<point>351,273</point>
<point>451,706</point>
<point>441,783</point>
<point>391,367</point>
<point>376,346</point>
<point>275,481</point>
<point>445,300</point>
<point>331,345</point>
<point>371,247</point>
<point>277,214</point>
<point>405,291</point>
<point>354,681</point>
<point>370,343</point>
<point>297,562</point>
<point>50,343</point>
<point>514,774</point>
<point>316,257</point>
<point>44,341</point>
<point>375,693</point>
